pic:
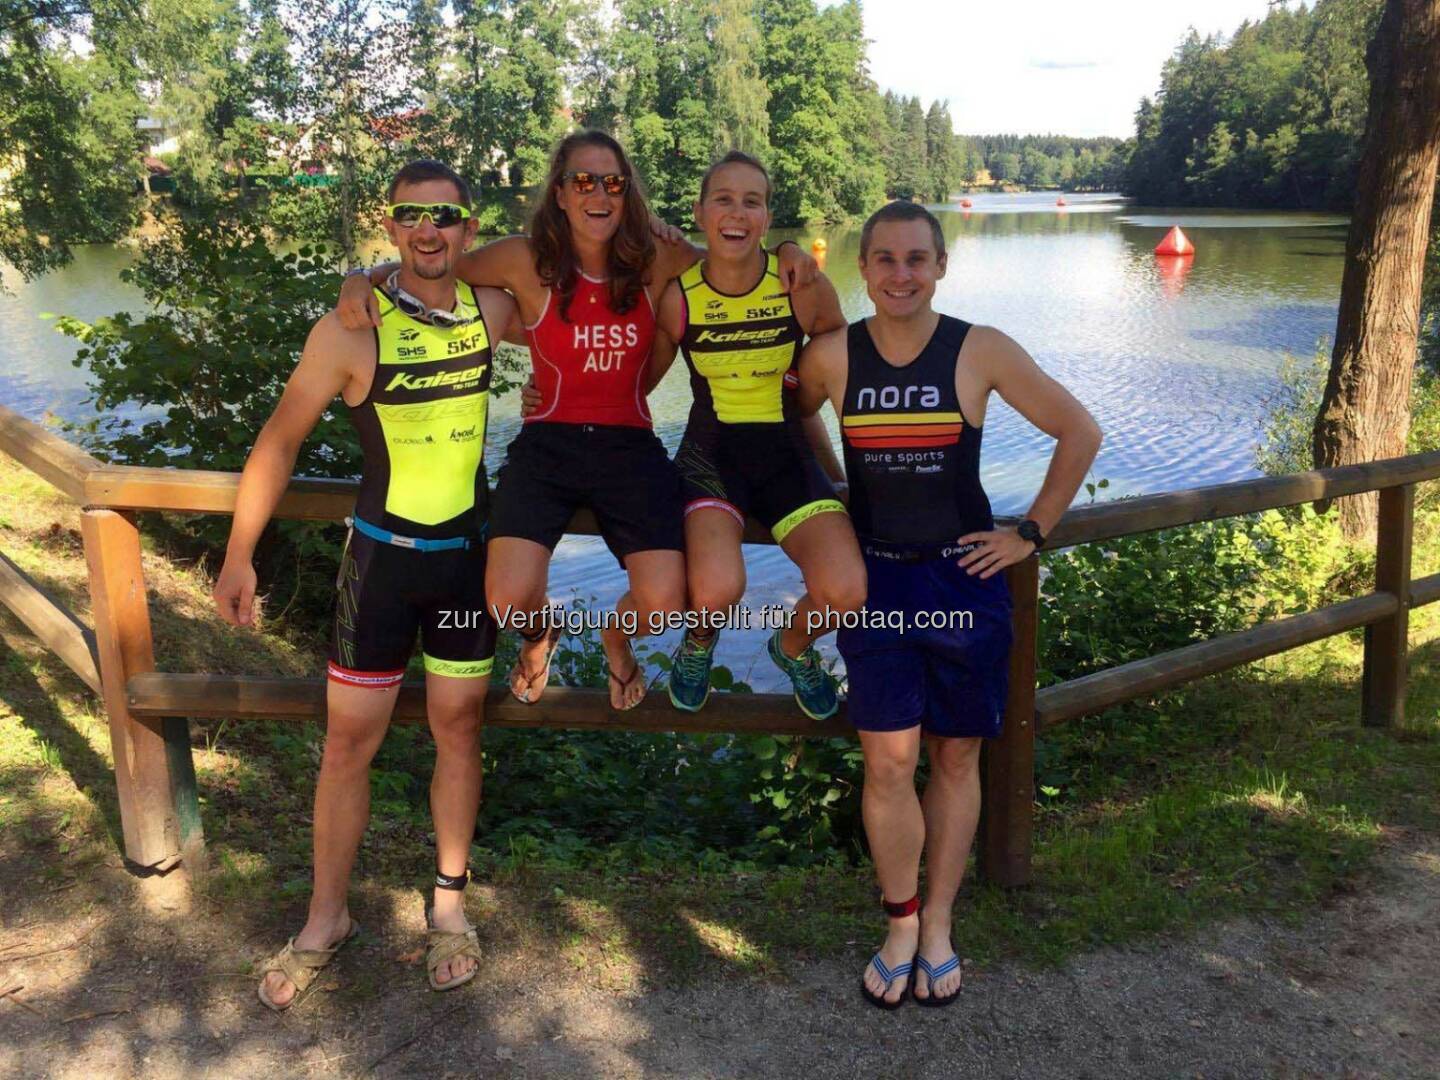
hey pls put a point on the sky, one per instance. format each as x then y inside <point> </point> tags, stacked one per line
<point>1037,66</point>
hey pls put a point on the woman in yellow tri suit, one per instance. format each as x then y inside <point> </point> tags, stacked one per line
<point>746,449</point>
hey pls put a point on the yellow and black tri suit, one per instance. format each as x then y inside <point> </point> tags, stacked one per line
<point>744,449</point>
<point>415,557</point>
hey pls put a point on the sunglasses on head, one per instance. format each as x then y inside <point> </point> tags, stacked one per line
<point>584,182</point>
<point>441,214</point>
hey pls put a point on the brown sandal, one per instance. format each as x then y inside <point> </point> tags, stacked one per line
<point>552,641</point>
<point>301,967</point>
<point>625,683</point>
<point>446,945</point>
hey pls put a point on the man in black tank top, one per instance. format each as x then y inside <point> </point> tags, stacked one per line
<point>930,658</point>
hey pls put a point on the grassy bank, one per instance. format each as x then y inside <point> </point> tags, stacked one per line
<point>1256,791</point>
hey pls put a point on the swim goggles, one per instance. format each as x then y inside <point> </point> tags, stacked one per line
<point>418,310</point>
<point>441,214</point>
<point>584,182</point>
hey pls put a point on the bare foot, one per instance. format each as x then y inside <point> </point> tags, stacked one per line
<point>936,948</point>
<point>627,681</point>
<point>449,915</point>
<point>531,673</point>
<point>899,948</point>
<point>317,934</point>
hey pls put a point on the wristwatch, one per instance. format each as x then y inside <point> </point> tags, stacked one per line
<point>1030,530</point>
<point>357,270</point>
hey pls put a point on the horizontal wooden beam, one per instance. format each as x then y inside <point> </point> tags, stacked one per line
<point>1123,517</point>
<point>199,491</point>
<point>1153,674</point>
<point>1425,590</point>
<point>46,454</point>
<point>248,697</point>
<point>58,630</point>
<point>196,491</point>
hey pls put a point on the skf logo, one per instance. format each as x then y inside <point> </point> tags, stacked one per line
<point>764,312</point>
<point>406,381</point>
<point>409,334</point>
<point>464,345</point>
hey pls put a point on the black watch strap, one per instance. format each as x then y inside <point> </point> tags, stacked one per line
<point>1030,530</point>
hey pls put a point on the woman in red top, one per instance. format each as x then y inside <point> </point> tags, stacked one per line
<point>586,281</point>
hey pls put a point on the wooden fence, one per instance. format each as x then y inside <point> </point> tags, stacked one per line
<point>149,711</point>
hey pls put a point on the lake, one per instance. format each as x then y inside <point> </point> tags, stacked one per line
<point>1177,363</point>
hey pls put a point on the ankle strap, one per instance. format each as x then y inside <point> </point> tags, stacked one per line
<point>456,884</point>
<point>902,909</point>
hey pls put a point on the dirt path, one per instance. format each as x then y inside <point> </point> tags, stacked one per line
<point>131,978</point>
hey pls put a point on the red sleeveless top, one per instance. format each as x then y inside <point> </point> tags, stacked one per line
<point>589,370</point>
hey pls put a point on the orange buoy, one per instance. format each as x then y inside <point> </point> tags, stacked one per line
<point>1175,243</point>
<point>1060,201</point>
<point>966,204</point>
<point>819,246</point>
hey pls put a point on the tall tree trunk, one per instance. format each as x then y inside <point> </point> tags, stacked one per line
<point>1365,413</point>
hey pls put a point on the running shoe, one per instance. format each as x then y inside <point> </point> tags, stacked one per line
<point>690,673</point>
<point>815,689</point>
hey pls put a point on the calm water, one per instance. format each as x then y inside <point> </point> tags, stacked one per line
<point>1176,363</point>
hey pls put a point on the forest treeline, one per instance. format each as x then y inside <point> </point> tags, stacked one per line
<point>266,95</point>
<point>1272,115</point>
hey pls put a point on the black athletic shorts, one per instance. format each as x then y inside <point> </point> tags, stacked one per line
<point>765,470</point>
<point>386,594</point>
<point>621,473</point>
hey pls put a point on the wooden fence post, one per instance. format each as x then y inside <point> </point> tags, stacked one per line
<point>154,773</point>
<point>1009,797</point>
<point>1382,690</point>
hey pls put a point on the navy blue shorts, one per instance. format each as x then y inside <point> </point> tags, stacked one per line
<point>945,666</point>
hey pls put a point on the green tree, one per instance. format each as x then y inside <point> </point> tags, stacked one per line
<point>941,152</point>
<point>910,174</point>
<point>742,121</point>
<point>69,156</point>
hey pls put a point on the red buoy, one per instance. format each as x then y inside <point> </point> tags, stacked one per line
<point>966,203</point>
<point>1175,243</point>
<point>1060,201</point>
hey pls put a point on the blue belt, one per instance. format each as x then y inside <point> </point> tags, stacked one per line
<point>385,536</point>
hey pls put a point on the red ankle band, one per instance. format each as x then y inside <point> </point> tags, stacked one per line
<point>901,910</point>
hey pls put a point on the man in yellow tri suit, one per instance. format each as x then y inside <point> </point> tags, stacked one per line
<point>417,388</point>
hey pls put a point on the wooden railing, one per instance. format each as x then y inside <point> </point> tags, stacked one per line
<point>149,711</point>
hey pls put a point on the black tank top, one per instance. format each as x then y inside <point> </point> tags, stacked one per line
<point>912,460</point>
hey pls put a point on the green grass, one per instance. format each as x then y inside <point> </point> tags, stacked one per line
<point>1252,792</point>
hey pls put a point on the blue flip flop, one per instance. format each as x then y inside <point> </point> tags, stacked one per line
<point>934,972</point>
<point>905,971</point>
